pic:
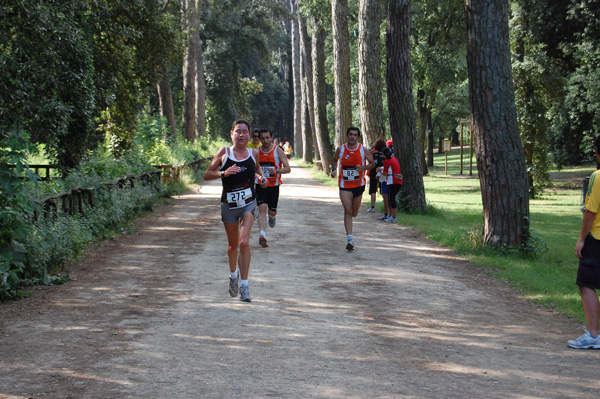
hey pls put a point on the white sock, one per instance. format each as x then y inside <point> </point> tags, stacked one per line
<point>263,233</point>
<point>349,236</point>
<point>244,282</point>
<point>234,275</point>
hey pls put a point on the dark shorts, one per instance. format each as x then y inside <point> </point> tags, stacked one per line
<point>588,274</point>
<point>269,196</point>
<point>384,189</point>
<point>373,182</point>
<point>356,192</point>
<point>229,215</point>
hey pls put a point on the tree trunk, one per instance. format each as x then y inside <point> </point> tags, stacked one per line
<point>306,56</point>
<point>498,148</point>
<point>307,141</point>
<point>297,77</point>
<point>430,142</point>
<point>422,126</point>
<point>370,93</point>
<point>200,89</point>
<point>320,92</point>
<point>165,101</point>
<point>400,101</point>
<point>341,69</point>
<point>189,71</point>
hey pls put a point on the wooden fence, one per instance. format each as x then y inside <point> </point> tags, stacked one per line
<point>74,201</point>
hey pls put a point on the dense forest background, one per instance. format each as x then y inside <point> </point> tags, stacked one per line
<point>73,73</point>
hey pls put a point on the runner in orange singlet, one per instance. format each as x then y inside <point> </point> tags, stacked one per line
<point>274,163</point>
<point>353,161</point>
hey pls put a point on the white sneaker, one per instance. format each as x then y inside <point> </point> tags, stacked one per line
<point>371,210</point>
<point>391,219</point>
<point>383,217</point>
<point>586,341</point>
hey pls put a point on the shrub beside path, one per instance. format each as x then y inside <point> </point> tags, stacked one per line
<point>148,316</point>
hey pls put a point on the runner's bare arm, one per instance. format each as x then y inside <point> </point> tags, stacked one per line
<point>212,172</point>
<point>286,165</point>
<point>334,163</point>
<point>259,172</point>
<point>370,161</point>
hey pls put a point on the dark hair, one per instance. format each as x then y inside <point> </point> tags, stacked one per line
<point>264,130</point>
<point>379,144</point>
<point>353,128</point>
<point>239,122</point>
<point>387,152</point>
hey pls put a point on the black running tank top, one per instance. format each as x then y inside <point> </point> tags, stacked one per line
<point>238,189</point>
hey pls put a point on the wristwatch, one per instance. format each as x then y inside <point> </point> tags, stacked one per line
<point>222,174</point>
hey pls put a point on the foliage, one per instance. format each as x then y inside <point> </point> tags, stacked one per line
<point>46,75</point>
<point>537,86</point>
<point>33,249</point>
<point>230,65</point>
<point>439,62</point>
<point>16,207</point>
<point>68,67</point>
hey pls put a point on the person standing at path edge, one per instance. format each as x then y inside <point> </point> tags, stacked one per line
<point>237,167</point>
<point>587,250</point>
<point>353,161</point>
<point>274,163</point>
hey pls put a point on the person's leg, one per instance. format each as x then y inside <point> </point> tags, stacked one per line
<point>272,201</point>
<point>384,194</point>
<point>233,231</point>
<point>392,192</point>
<point>244,244</point>
<point>347,199</point>
<point>591,308</point>
<point>262,217</point>
<point>356,201</point>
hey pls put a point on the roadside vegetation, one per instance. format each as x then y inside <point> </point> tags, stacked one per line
<point>37,250</point>
<point>544,270</point>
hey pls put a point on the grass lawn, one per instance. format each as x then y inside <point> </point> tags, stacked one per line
<point>455,220</point>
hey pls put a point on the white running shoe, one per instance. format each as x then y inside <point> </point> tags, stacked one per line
<point>586,341</point>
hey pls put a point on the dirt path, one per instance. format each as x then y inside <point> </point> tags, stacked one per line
<point>148,316</point>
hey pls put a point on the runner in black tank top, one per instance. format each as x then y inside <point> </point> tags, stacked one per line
<point>237,166</point>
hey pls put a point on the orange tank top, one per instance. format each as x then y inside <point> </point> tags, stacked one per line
<point>349,176</point>
<point>270,159</point>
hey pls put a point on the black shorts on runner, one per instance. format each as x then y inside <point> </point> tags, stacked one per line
<point>356,192</point>
<point>588,274</point>
<point>269,196</point>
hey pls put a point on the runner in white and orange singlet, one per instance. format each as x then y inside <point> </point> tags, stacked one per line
<point>353,160</point>
<point>273,163</point>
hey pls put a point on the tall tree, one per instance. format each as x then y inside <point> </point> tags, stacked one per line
<point>165,102</point>
<point>370,93</point>
<point>200,83</point>
<point>341,69</point>
<point>190,20</point>
<point>297,78</point>
<point>307,138</point>
<point>320,92</point>
<point>500,157</point>
<point>400,102</point>
<point>306,56</point>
